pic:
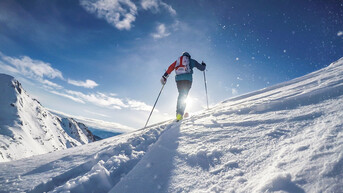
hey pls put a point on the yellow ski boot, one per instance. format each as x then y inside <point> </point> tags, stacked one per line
<point>179,117</point>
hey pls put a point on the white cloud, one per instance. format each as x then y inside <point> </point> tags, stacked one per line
<point>95,113</point>
<point>140,106</point>
<point>68,96</point>
<point>161,32</point>
<point>8,68</point>
<point>169,8</point>
<point>119,13</point>
<point>105,100</point>
<point>87,84</point>
<point>32,68</point>
<point>150,4</point>
<point>155,6</point>
<point>122,13</point>
<point>99,99</point>
<point>52,84</point>
<point>38,70</point>
<point>340,33</point>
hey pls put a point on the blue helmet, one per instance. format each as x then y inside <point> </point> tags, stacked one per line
<point>186,54</point>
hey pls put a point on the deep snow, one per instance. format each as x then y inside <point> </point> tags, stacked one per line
<point>285,138</point>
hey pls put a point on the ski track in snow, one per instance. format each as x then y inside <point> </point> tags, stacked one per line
<point>285,138</point>
<point>79,169</point>
<point>111,165</point>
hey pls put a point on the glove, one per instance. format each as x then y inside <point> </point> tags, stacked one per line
<point>203,63</point>
<point>164,79</point>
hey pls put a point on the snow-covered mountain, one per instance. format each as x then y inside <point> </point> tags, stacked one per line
<point>285,138</point>
<point>27,128</point>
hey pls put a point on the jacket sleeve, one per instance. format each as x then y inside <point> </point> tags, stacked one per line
<point>199,66</point>
<point>170,69</point>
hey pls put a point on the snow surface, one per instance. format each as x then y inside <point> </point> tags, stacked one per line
<point>27,128</point>
<point>285,138</point>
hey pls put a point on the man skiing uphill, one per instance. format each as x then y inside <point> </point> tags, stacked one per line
<point>183,67</point>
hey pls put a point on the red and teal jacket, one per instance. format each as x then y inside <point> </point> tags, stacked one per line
<point>183,67</point>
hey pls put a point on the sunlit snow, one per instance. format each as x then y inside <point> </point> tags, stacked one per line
<point>286,138</point>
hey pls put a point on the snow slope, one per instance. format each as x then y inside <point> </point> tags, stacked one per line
<point>285,138</point>
<point>27,128</point>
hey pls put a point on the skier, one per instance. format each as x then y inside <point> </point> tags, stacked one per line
<point>183,69</point>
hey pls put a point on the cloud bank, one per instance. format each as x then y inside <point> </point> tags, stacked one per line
<point>108,101</point>
<point>122,13</point>
<point>86,84</point>
<point>42,71</point>
<point>119,13</point>
<point>32,68</point>
<point>39,71</point>
<point>156,5</point>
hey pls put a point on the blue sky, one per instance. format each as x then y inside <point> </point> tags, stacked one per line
<point>103,59</point>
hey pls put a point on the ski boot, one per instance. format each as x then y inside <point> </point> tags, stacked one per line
<point>178,117</point>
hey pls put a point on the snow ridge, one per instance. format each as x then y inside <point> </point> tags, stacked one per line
<point>27,128</point>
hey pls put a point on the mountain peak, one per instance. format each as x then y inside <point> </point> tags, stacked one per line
<point>7,83</point>
<point>27,128</point>
<point>5,78</point>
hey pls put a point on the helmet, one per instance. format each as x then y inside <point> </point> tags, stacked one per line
<point>186,54</point>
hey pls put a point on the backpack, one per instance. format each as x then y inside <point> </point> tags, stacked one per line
<point>182,65</point>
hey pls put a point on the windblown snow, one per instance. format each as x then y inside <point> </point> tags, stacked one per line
<point>27,128</point>
<point>285,138</point>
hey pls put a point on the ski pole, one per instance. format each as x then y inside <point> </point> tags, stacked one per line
<point>206,88</point>
<point>154,106</point>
